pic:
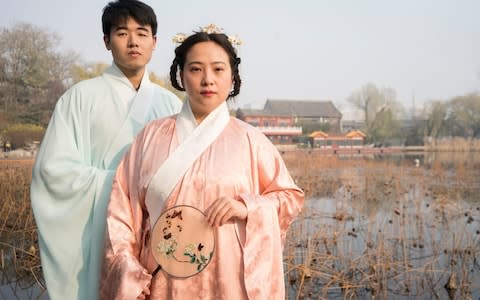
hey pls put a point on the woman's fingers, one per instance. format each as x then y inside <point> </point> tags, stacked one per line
<point>224,210</point>
<point>216,211</point>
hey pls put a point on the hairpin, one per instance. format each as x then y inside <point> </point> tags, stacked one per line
<point>210,28</point>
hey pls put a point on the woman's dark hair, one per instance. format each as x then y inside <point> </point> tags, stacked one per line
<point>119,11</point>
<point>198,37</point>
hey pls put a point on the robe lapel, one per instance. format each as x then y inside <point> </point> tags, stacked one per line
<point>134,122</point>
<point>193,140</point>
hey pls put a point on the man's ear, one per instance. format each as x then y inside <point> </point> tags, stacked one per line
<point>106,40</point>
<point>154,42</point>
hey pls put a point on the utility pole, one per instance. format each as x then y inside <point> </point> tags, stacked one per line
<point>413,104</point>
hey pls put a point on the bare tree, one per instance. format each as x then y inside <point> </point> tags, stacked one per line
<point>29,63</point>
<point>380,107</point>
<point>437,115</point>
<point>82,71</point>
<point>165,83</point>
<point>465,115</point>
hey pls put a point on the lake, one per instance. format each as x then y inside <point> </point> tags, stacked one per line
<point>387,227</point>
<point>399,226</point>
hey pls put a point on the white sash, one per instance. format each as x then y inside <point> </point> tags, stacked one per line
<point>193,140</point>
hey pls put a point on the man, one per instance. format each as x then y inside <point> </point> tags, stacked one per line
<point>93,124</point>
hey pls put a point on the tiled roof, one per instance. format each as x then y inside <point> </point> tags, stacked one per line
<point>253,112</point>
<point>302,108</point>
<point>318,133</point>
<point>356,133</point>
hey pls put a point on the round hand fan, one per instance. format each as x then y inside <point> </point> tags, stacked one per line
<point>182,241</point>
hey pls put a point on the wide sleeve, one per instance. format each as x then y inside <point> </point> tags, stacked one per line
<point>276,191</point>
<point>123,276</point>
<point>272,205</point>
<point>67,194</point>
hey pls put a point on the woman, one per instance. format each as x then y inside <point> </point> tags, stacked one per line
<point>203,158</point>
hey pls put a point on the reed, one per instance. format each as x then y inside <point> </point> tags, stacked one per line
<point>389,230</point>
<point>453,144</point>
<point>371,228</point>
<point>20,260</point>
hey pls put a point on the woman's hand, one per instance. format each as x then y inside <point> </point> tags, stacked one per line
<point>145,293</point>
<point>225,210</point>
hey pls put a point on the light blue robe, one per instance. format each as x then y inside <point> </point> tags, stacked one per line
<point>91,128</point>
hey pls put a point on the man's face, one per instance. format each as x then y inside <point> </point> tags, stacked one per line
<point>132,45</point>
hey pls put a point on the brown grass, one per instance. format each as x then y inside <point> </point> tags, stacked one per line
<point>453,144</point>
<point>395,230</point>
<point>19,256</point>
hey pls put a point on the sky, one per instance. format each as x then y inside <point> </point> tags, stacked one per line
<point>301,50</point>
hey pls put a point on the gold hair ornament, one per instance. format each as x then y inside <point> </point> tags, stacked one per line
<point>210,28</point>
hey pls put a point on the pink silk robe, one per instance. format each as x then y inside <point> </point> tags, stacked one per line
<point>247,263</point>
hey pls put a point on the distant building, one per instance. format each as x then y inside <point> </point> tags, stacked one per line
<point>353,139</point>
<point>279,129</point>
<point>279,120</point>
<point>306,111</point>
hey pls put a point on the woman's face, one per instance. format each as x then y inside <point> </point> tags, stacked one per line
<point>206,77</point>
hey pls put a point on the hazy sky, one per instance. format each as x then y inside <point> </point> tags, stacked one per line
<point>305,50</point>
